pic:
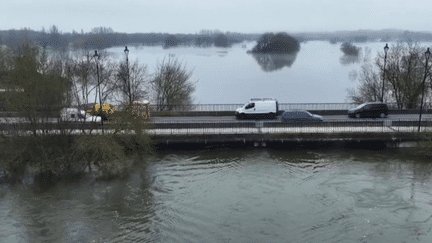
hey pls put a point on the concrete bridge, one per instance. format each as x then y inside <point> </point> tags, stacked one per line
<point>259,133</point>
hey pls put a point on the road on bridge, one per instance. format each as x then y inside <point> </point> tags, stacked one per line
<point>232,119</point>
<point>393,117</point>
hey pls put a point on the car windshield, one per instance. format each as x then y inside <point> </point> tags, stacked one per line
<point>307,112</point>
<point>297,114</point>
<point>360,106</point>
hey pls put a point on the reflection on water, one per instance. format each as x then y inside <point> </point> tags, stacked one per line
<point>222,53</point>
<point>274,62</point>
<point>349,59</point>
<point>316,77</point>
<point>254,195</point>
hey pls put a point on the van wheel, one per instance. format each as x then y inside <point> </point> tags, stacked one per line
<point>383,115</point>
<point>241,116</point>
<point>272,115</point>
<point>357,115</point>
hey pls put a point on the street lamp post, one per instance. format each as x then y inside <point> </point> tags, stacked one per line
<point>97,57</point>
<point>385,60</point>
<point>126,51</point>
<point>427,55</point>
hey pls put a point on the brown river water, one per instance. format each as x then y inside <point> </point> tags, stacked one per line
<point>227,195</point>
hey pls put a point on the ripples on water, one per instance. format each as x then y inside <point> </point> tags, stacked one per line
<point>258,195</point>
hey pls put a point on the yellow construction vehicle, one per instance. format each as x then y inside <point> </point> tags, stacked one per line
<point>105,113</point>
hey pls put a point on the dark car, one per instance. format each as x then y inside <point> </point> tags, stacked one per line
<point>372,110</point>
<point>300,118</point>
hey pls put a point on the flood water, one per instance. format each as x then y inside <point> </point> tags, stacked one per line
<point>318,73</point>
<point>226,195</point>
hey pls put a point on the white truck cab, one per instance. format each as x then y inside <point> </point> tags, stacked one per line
<point>258,107</point>
<point>76,115</point>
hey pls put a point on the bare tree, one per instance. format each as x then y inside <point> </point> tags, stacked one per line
<point>370,82</point>
<point>107,80</point>
<point>86,69</point>
<point>172,85</point>
<point>83,81</point>
<point>404,73</point>
<point>132,85</point>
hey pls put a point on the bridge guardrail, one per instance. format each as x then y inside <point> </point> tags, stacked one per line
<point>282,106</point>
<point>380,125</point>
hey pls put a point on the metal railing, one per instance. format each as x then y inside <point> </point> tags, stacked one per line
<point>282,106</point>
<point>316,106</point>
<point>246,127</point>
<point>197,107</point>
<point>335,126</point>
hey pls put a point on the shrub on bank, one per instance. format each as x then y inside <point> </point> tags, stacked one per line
<point>103,156</point>
<point>65,156</point>
<point>424,146</point>
<point>137,142</point>
<point>38,154</point>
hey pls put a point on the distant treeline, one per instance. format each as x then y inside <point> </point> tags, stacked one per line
<point>105,37</point>
<point>102,37</point>
<point>361,36</point>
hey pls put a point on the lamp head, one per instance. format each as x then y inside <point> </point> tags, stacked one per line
<point>96,55</point>
<point>386,48</point>
<point>126,51</point>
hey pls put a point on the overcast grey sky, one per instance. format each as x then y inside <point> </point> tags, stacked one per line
<point>190,16</point>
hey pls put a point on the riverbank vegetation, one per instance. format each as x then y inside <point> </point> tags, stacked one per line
<point>55,157</point>
<point>424,146</point>
<point>37,82</point>
<point>52,157</point>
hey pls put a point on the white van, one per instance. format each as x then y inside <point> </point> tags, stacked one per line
<point>258,107</point>
<point>76,115</point>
